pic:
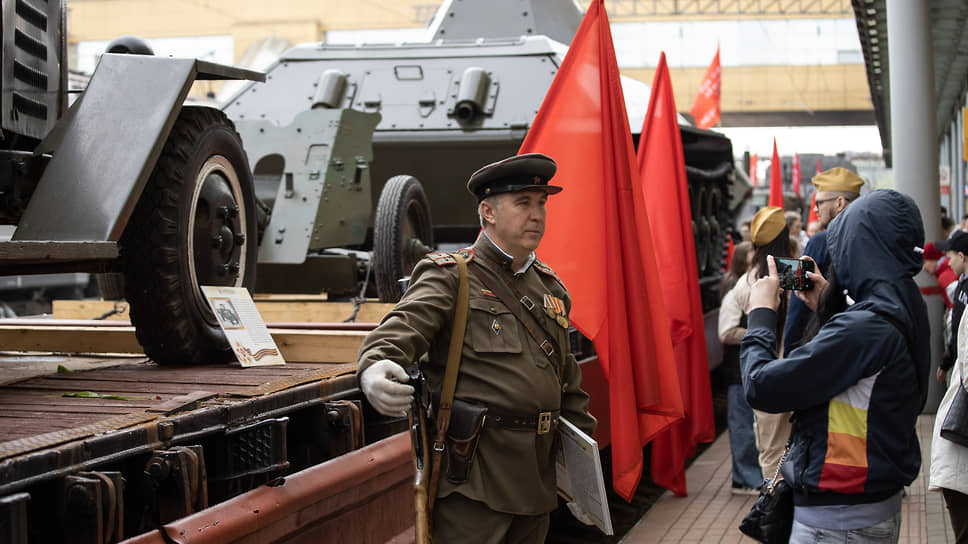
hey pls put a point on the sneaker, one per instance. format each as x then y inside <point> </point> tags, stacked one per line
<point>743,490</point>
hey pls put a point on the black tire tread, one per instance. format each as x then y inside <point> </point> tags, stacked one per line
<point>164,325</point>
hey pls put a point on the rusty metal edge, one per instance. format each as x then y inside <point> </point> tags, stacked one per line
<point>24,445</point>
<point>258,509</point>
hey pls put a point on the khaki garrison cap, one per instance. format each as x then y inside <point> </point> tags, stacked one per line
<point>838,179</point>
<point>766,225</point>
<point>530,171</point>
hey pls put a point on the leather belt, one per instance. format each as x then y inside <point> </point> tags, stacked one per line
<point>540,423</point>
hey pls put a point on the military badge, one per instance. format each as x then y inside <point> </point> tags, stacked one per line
<point>554,308</point>
<point>488,293</point>
<point>495,327</point>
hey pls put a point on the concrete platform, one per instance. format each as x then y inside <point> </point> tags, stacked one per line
<point>711,513</point>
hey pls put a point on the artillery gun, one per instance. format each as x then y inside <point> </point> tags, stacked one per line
<point>464,98</point>
<point>128,179</point>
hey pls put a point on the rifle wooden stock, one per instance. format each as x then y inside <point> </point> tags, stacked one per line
<point>423,505</point>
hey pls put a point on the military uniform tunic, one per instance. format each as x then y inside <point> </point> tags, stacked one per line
<point>502,367</point>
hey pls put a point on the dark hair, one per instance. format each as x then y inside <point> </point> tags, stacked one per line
<point>946,222</point>
<point>737,267</point>
<point>832,302</point>
<point>781,246</point>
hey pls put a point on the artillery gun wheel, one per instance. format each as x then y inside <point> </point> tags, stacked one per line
<point>194,225</point>
<point>402,234</point>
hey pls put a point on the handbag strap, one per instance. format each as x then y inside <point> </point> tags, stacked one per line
<point>776,474</point>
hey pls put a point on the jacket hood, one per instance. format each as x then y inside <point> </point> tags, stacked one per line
<point>874,240</point>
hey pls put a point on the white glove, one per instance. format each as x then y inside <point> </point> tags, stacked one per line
<point>580,513</point>
<point>383,384</point>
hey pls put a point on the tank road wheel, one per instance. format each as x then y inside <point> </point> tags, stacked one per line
<point>402,234</point>
<point>194,225</point>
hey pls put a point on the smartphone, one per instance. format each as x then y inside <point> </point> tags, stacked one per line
<point>793,273</point>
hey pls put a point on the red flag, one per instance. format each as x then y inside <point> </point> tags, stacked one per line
<point>662,168</point>
<point>776,180</point>
<point>605,258</point>
<point>813,210</point>
<point>705,110</point>
<point>819,167</point>
<point>753,159</point>
<point>796,173</point>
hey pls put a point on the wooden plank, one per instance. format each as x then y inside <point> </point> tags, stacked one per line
<point>308,346</point>
<point>272,310</point>
<point>43,251</point>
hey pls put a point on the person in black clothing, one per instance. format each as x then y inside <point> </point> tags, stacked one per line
<point>956,249</point>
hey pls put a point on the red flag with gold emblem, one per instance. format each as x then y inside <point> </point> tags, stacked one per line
<point>605,258</point>
<point>705,110</point>
<point>662,168</point>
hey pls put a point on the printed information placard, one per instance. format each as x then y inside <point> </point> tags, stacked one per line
<point>243,326</point>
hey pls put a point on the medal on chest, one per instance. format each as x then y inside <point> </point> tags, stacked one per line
<point>554,308</point>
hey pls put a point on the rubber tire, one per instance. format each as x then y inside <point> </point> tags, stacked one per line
<point>402,210</point>
<point>172,320</point>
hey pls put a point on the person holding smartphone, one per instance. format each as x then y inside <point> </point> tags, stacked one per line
<point>836,189</point>
<point>770,236</point>
<point>856,387</point>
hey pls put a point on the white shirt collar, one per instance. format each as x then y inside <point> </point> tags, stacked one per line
<point>527,263</point>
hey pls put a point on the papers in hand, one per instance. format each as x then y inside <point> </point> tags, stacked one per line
<point>579,473</point>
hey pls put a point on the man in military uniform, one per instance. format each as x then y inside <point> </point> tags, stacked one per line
<point>525,385</point>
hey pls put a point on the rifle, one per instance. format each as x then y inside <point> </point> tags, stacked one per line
<point>422,461</point>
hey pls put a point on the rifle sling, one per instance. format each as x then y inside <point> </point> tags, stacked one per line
<point>515,302</point>
<point>450,374</point>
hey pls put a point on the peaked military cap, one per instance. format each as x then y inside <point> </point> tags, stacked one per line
<point>838,179</point>
<point>530,171</point>
<point>767,225</point>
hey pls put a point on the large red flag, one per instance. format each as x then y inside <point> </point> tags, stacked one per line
<point>776,180</point>
<point>796,173</point>
<point>705,110</point>
<point>606,257</point>
<point>662,168</point>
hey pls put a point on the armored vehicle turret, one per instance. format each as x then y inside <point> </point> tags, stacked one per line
<point>464,97</point>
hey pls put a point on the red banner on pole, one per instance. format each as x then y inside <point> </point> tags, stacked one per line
<point>705,110</point>
<point>796,173</point>
<point>776,180</point>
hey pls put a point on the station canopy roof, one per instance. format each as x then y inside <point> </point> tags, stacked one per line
<point>949,36</point>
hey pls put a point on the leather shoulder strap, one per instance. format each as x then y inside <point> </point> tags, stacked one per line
<point>449,384</point>
<point>517,304</point>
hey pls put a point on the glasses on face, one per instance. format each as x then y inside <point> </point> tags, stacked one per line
<point>819,202</point>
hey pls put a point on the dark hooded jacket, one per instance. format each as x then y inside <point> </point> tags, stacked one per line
<point>857,387</point>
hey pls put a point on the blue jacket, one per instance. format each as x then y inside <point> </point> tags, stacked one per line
<point>858,386</point>
<point>798,314</point>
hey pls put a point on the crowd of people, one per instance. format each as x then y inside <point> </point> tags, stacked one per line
<point>826,383</point>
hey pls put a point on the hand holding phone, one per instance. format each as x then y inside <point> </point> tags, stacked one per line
<point>792,273</point>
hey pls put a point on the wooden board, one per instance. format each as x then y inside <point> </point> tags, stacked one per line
<point>287,308</point>
<point>310,346</point>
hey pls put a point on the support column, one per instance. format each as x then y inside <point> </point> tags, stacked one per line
<point>914,143</point>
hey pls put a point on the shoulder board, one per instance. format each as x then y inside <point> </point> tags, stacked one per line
<point>441,258</point>
<point>545,269</point>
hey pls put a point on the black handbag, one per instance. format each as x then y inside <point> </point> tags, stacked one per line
<point>771,518</point>
<point>955,424</point>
